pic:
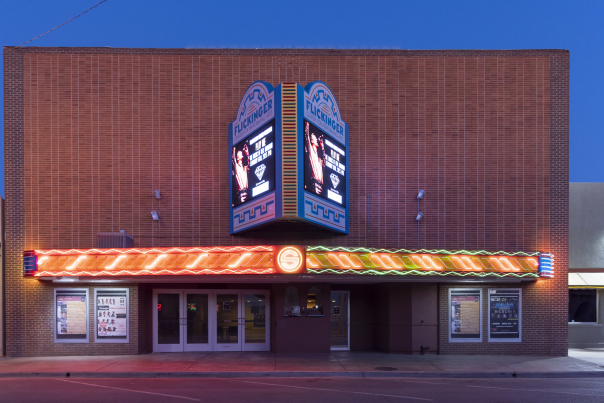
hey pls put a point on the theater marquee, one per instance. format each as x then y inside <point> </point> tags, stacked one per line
<point>284,260</point>
<point>288,158</point>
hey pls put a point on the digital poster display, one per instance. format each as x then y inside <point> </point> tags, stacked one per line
<point>111,313</point>
<point>324,165</point>
<point>505,315</point>
<point>253,165</point>
<point>71,315</point>
<point>465,315</point>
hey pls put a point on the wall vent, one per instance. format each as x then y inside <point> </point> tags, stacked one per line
<point>114,240</point>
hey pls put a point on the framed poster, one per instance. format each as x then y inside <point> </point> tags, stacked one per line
<point>465,315</point>
<point>505,315</point>
<point>71,315</point>
<point>111,307</point>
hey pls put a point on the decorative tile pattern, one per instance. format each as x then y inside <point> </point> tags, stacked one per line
<point>316,209</point>
<point>254,213</point>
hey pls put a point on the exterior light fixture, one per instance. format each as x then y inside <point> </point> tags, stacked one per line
<point>418,218</point>
<point>155,214</point>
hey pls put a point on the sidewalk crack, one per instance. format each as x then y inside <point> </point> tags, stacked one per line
<point>345,369</point>
<point>196,361</point>
<point>433,364</point>
<point>111,363</point>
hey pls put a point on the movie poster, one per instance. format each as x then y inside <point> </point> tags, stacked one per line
<point>253,165</point>
<point>324,165</point>
<point>465,315</point>
<point>111,314</point>
<point>505,314</point>
<point>71,315</point>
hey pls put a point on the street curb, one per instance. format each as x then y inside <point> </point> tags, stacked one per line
<point>304,374</point>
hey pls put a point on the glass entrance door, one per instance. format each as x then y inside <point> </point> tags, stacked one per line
<point>208,320</point>
<point>340,320</point>
<point>255,320</point>
<point>181,320</point>
<point>228,321</point>
<point>167,335</point>
<point>196,320</point>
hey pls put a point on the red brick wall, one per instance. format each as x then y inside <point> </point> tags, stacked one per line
<point>90,133</point>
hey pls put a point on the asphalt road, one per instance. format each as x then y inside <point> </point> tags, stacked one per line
<point>292,390</point>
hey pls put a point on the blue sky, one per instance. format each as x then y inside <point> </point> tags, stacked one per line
<point>439,24</point>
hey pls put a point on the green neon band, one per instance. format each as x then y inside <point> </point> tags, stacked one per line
<point>431,251</point>
<point>420,273</point>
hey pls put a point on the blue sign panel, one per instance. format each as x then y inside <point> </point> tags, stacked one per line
<point>323,165</point>
<point>254,137</point>
<point>288,158</point>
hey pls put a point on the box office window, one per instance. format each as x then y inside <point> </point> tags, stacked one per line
<point>314,303</point>
<point>583,306</point>
<point>291,305</point>
<point>71,315</point>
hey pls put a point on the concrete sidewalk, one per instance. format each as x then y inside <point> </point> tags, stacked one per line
<point>579,363</point>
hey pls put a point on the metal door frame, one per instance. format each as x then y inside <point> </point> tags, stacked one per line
<point>266,346</point>
<point>211,313</point>
<point>167,348</point>
<point>347,348</point>
<point>212,344</point>
<point>227,346</point>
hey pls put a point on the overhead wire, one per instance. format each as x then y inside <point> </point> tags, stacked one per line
<point>58,26</point>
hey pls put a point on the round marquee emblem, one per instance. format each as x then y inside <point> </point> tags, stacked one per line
<point>290,259</point>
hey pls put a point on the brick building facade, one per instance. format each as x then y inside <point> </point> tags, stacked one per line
<point>91,132</point>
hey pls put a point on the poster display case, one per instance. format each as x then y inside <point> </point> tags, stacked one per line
<point>111,308</point>
<point>71,315</point>
<point>505,315</point>
<point>465,315</point>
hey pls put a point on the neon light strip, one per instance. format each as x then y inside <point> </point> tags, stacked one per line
<point>236,264</point>
<point>115,262</point>
<point>419,251</point>
<point>152,265</point>
<point>76,263</point>
<point>197,260</point>
<point>231,249</point>
<point>420,273</point>
<point>385,261</point>
<point>157,262</point>
<point>152,272</point>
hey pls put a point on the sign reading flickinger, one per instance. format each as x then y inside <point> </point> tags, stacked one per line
<point>253,155</point>
<point>324,138</point>
<point>288,160</point>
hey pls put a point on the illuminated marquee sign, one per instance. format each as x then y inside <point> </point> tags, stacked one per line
<point>290,259</point>
<point>153,261</point>
<point>363,261</point>
<point>253,165</point>
<point>323,192</point>
<point>253,155</point>
<point>237,260</point>
<point>324,166</point>
<point>288,154</point>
